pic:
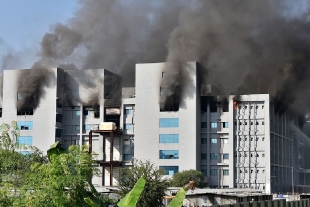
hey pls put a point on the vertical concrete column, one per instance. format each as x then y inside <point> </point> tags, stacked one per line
<point>81,126</point>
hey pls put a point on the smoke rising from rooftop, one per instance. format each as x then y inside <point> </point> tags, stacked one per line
<point>31,87</point>
<point>242,46</point>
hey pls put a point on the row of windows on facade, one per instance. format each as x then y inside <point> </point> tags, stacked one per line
<point>214,156</point>
<point>85,127</point>
<point>245,138</point>
<point>251,171</point>
<point>251,122</point>
<point>243,106</point>
<point>174,138</point>
<point>251,154</point>
<point>214,172</point>
<point>174,154</point>
<point>214,140</point>
<point>214,125</point>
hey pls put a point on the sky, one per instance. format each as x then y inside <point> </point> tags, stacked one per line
<point>24,22</point>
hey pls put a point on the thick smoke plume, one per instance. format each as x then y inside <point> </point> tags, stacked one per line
<point>31,87</point>
<point>242,46</point>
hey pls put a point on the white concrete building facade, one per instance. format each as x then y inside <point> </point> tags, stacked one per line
<point>244,143</point>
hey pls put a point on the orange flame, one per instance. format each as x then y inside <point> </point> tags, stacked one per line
<point>235,105</point>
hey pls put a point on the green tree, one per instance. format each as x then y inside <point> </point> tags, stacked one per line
<point>182,178</point>
<point>62,182</point>
<point>13,164</point>
<point>155,185</point>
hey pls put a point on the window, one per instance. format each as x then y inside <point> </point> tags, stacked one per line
<point>127,126</point>
<point>213,125</point>
<point>213,156</point>
<point>169,170</point>
<point>78,113</point>
<point>225,124</point>
<point>77,127</point>
<point>58,132</point>
<point>59,118</point>
<point>204,140</point>
<point>213,140</point>
<point>160,91</point>
<point>213,107</point>
<point>86,112</point>
<point>26,140</point>
<point>128,111</point>
<point>263,123</point>
<point>163,74</point>
<point>168,154</point>
<point>204,125</point>
<point>213,172</point>
<point>168,138</point>
<point>127,157</point>
<point>225,172</point>
<point>225,156</point>
<point>225,141</point>
<point>87,127</point>
<point>25,125</point>
<point>203,156</point>
<point>205,172</point>
<point>168,122</point>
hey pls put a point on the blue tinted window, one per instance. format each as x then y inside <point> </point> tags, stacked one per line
<point>128,111</point>
<point>26,140</point>
<point>213,172</point>
<point>127,126</point>
<point>168,122</point>
<point>169,170</point>
<point>213,140</point>
<point>225,156</point>
<point>168,154</point>
<point>213,156</point>
<point>168,138</point>
<point>213,125</point>
<point>78,113</point>
<point>225,125</point>
<point>87,127</point>
<point>127,157</point>
<point>25,125</point>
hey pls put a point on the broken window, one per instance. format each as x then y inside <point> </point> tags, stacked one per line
<point>213,107</point>
<point>25,111</point>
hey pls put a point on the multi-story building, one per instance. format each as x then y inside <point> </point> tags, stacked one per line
<point>244,143</point>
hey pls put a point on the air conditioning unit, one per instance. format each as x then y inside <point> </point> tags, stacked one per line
<point>107,126</point>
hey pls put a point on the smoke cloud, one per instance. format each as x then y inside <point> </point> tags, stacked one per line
<point>31,87</point>
<point>242,46</point>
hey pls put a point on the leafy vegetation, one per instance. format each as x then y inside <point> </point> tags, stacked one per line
<point>13,164</point>
<point>131,198</point>
<point>182,178</point>
<point>155,185</point>
<point>58,183</point>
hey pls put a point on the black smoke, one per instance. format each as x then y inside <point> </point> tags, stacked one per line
<point>31,87</point>
<point>242,46</point>
<point>245,47</point>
